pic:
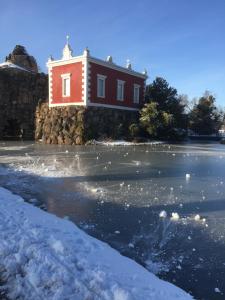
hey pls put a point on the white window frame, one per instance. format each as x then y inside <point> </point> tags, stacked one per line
<point>103,78</point>
<point>136,99</point>
<point>122,83</point>
<point>66,77</point>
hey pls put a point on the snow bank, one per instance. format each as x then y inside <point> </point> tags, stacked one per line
<point>45,257</point>
<point>124,143</point>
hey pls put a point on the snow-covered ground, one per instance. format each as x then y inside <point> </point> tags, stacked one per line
<point>45,257</point>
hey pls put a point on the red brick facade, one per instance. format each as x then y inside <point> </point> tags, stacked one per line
<point>81,74</point>
<point>111,86</point>
<point>75,71</point>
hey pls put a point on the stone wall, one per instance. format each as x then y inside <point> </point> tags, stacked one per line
<point>75,125</point>
<point>20,92</point>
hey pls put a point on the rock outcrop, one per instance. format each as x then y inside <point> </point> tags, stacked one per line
<point>21,58</point>
<point>21,89</point>
<point>20,93</point>
<point>75,125</point>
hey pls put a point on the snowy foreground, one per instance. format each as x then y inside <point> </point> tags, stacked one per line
<point>45,257</point>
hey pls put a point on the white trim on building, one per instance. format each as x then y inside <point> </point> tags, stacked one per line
<point>120,90</point>
<point>136,93</point>
<point>104,63</point>
<point>66,85</point>
<point>67,104</point>
<point>101,85</point>
<point>116,67</point>
<point>50,85</point>
<point>85,67</point>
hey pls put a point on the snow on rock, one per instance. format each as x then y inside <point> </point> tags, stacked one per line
<point>45,257</point>
<point>9,64</point>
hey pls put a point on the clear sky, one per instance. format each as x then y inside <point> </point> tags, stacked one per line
<point>180,40</point>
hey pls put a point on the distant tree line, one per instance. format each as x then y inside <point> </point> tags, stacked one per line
<point>167,115</point>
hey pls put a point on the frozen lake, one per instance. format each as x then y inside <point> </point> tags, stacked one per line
<point>126,195</point>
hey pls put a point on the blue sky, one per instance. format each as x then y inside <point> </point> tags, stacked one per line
<point>180,40</point>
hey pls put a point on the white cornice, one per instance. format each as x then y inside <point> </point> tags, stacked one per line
<point>116,67</point>
<point>62,62</point>
<point>98,61</point>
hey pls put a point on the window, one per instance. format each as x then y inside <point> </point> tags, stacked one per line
<point>66,85</point>
<point>120,90</point>
<point>136,93</point>
<point>101,86</point>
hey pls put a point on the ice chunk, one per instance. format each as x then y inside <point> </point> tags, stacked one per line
<point>175,216</point>
<point>197,217</point>
<point>33,200</point>
<point>163,214</point>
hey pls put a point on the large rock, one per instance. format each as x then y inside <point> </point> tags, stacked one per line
<point>73,125</point>
<point>20,57</point>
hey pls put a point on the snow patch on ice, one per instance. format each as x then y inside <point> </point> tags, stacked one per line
<point>13,148</point>
<point>125,143</point>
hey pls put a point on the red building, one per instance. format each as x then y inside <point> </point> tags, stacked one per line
<point>88,81</point>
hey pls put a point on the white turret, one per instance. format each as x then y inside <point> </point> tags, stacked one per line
<point>50,58</point>
<point>145,72</point>
<point>109,59</point>
<point>67,50</point>
<point>128,64</point>
<point>86,52</point>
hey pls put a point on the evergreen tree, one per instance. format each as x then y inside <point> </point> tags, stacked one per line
<point>205,118</point>
<point>163,114</point>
